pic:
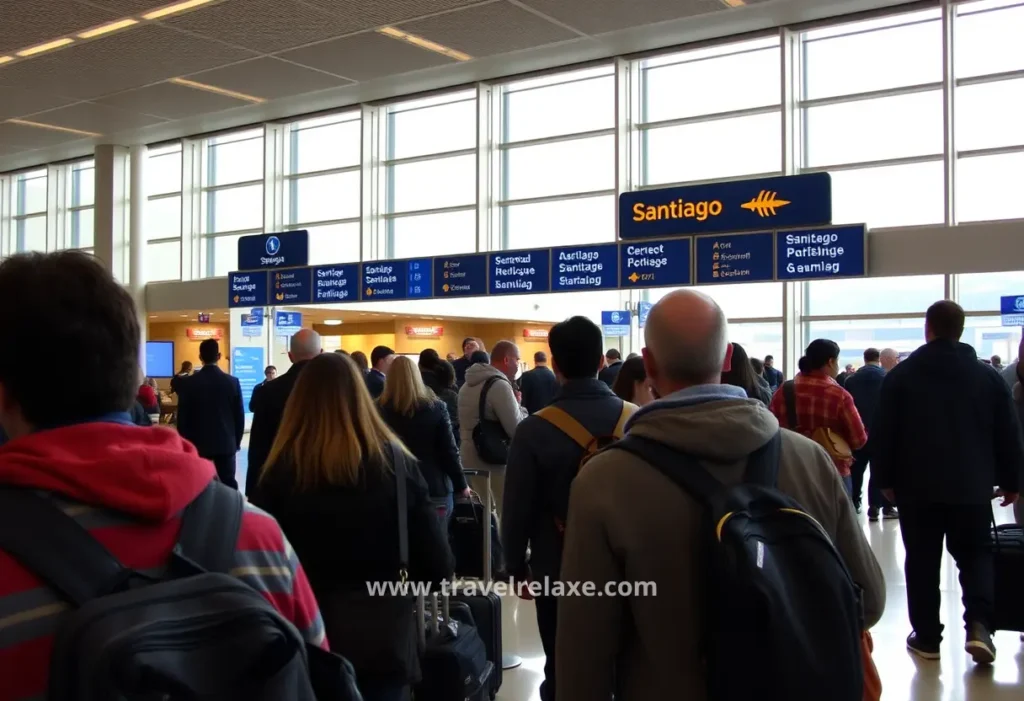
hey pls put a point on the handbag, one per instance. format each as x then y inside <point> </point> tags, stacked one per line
<point>872,681</point>
<point>489,437</point>
<point>378,634</point>
<point>834,444</point>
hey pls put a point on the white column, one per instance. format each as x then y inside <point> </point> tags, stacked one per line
<point>110,212</point>
<point>137,242</point>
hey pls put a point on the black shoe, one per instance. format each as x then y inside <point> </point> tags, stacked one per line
<point>857,507</point>
<point>872,513</point>
<point>926,651</point>
<point>979,644</point>
<point>890,512</point>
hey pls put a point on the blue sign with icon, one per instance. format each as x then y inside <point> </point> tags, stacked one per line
<point>520,272</point>
<point>615,323</point>
<point>252,323</point>
<point>247,289</point>
<point>579,268</point>
<point>336,283</point>
<point>764,203</point>
<point>1011,310</point>
<point>397,279</point>
<point>287,323</point>
<point>643,310</point>
<point>247,367</point>
<point>663,263</point>
<point>288,249</point>
<point>821,254</point>
<point>290,286</point>
<point>735,258</point>
<point>460,276</point>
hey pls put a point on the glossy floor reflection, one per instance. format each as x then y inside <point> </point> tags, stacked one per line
<point>904,677</point>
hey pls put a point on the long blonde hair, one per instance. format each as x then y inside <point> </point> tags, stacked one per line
<point>404,391</point>
<point>330,427</point>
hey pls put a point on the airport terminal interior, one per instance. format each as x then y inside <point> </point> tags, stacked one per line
<point>430,136</point>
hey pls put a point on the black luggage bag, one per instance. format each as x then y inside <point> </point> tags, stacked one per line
<point>454,662</point>
<point>1008,556</point>
<point>485,611</point>
<point>466,535</point>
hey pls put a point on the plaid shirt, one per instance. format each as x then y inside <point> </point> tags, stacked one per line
<point>822,403</point>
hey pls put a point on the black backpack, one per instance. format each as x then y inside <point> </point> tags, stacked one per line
<point>780,602</point>
<point>197,632</point>
<point>489,437</point>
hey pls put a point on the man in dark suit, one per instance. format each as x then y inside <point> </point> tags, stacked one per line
<point>539,386</point>
<point>267,405</point>
<point>613,364</point>
<point>380,359</point>
<point>461,364</point>
<point>210,413</point>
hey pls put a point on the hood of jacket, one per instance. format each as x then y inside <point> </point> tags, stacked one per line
<point>480,373</point>
<point>149,473</point>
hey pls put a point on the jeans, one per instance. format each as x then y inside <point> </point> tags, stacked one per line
<point>547,624</point>
<point>876,500</point>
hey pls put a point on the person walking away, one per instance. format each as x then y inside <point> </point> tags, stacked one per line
<point>380,359</point>
<point>772,374</point>
<point>865,386</point>
<point>268,405</point>
<point>538,385</point>
<point>844,375</point>
<point>449,394</point>
<point>186,371</point>
<point>543,461</point>
<point>210,413</point>
<point>501,407</point>
<point>758,366</point>
<point>628,522</point>
<point>461,364</point>
<point>1013,379</point>
<point>331,481</point>
<point>127,485</point>
<point>631,385</point>
<point>741,374</point>
<point>822,410</point>
<point>613,364</point>
<point>361,361</point>
<point>420,420</point>
<point>269,373</point>
<point>428,362</point>
<point>944,435</point>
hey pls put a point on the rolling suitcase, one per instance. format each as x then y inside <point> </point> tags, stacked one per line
<point>485,612</point>
<point>454,663</point>
<point>1008,559</point>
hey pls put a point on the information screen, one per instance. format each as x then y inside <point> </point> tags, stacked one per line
<point>160,359</point>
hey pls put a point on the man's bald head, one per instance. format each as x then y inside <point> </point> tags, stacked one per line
<point>686,339</point>
<point>889,358</point>
<point>505,357</point>
<point>305,345</point>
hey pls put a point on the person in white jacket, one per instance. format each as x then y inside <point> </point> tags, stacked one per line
<point>503,405</point>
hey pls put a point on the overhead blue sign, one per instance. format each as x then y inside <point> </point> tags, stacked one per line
<point>821,254</point>
<point>252,323</point>
<point>615,323</point>
<point>397,279</point>
<point>288,249</point>
<point>576,268</point>
<point>520,272</point>
<point>735,258</point>
<point>287,323</point>
<point>654,263</point>
<point>291,286</point>
<point>643,310</point>
<point>247,367</point>
<point>764,203</point>
<point>1011,310</point>
<point>460,276</point>
<point>336,283</point>
<point>247,289</point>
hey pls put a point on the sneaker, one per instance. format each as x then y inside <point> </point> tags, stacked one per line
<point>890,512</point>
<point>925,651</point>
<point>979,644</point>
<point>872,513</point>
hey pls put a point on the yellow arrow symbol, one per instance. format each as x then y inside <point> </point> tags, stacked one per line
<point>369,292</point>
<point>445,288</point>
<point>279,296</point>
<point>236,299</point>
<point>633,278</point>
<point>765,203</point>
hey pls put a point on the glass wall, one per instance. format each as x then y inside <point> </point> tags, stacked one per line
<point>231,202</point>
<point>28,207</point>
<point>163,213</point>
<point>81,196</point>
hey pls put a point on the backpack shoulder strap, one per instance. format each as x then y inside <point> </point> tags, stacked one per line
<point>763,463</point>
<point>210,526</point>
<point>679,467</point>
<point>483,394</point>
<point>55,548</point>
<point>564,422</point>
<point>402,498</point>
<point>789,394</point>
<point>628,409</point>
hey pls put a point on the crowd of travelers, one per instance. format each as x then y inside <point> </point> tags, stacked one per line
<point>602,469</point>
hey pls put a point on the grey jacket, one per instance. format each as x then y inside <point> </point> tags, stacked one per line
<point>630,523</point>
<point>501,406</point>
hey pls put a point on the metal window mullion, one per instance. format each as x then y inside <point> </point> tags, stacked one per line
<point>556,198</point>
<point>428,212</point>
<point>707,181</point>
<point>819,318</point>
<point>274,164</point>
<point>163,196</point>
<point>871,95</point>
<point>369,155</point>
<point>5,215</point>
<point>992,151</point>
<point>292,160</point>
<point>391,162</point>
<point>625,114</point>
<point>881,163</point>
<point>323,222</point>
<point>949,130</point>
<point>501,167</point>
<point>191,207</point>
<point>791,91</point>
<point>710,117</point>
<point>164,239</point>
<point>387,180</point>
<point>557,139</point>
<point>1001,77</point>
<point>233,232</point>
<point>487,235</point>
<point>230,186</point>
<point>55,218</point>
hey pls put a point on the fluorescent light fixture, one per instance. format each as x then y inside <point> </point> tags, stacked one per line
<point>52,127</point>
<point>6,59</point>
<point>48,46</point>
<point>214,89</point>
<point>734,3</point>
<point>174,9</point>
<point>184,316</point>
<point>332,322</point>
<point>107,28</point>
<point>419,41</point>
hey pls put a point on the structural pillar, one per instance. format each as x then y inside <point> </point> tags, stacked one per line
<point>111,209</point>
<point>137,241</point>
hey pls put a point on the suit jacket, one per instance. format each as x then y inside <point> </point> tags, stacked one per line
<point>210,412</point>
<point>374,383</point>
<point>610,373</point>
<point>267,407</point>
<point>539,387</point>
<point>865,386</point>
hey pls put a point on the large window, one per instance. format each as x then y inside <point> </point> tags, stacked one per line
<point>163,214</point>
<point>28,206</point>
<point>232,198</point>
<point>81,198</point>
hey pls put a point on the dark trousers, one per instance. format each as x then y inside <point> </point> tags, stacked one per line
<point>547,623</point>
<point>876,500</point>
<point>384,691</point>
<point>225,465</point>
<point>966,530</point>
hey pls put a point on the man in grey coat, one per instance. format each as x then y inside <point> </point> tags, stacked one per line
<point>630,523</point>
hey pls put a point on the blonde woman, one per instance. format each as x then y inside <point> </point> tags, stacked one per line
<point>422,421</point>
<point>334,479</point>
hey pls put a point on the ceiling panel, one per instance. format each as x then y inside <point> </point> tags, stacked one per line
<point>267,26</point>
<point>96,118</point>
<point>370,14</point>
<point>366,56</point>
<point>15,102</point>
<point>171,101</point>
<point>17,137</point>
<point>25,23</point>
<point>126,60</point>
<point>489,29</point>
<point>599,16</point>
<point>269,78</point>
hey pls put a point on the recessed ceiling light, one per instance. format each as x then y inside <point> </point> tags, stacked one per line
<point>48,46</point>
<point>107,28</point>
<point>332,322</point>
<point>174,9</point>
<point>152,316</point>
<point>419,41</point>
<point>6,59</point>
<point>184,316</point>
<point>53,127</point>
<point>214,89</point>
<point>734,3</point>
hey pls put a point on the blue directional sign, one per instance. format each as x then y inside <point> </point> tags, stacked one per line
<point>252,323</point>
<point>735,258</point>
<point>288,249</point>
<point>287,323</point>
<point>764,203</point>
<point>520,272</point>
<point>397,279</point>
<point>247,289</point>
<point>460,276</point>
<point>663,263</point>
<point>418,276</point>
<point>827,253</point>
<point>336,283</point>
<point>615,323</point>
<point>290,286</point>
<point>247,367</point>
<point>576,268</point>
<point>1011,310</point>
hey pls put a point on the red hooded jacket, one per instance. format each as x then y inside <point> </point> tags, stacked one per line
<point>128,486</point>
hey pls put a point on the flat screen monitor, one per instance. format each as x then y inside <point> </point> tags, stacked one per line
<point>160,359</point>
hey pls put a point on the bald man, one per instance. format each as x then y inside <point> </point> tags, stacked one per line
<point>630,522</point>
<point>889,359</point>
<point>267,405</point>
